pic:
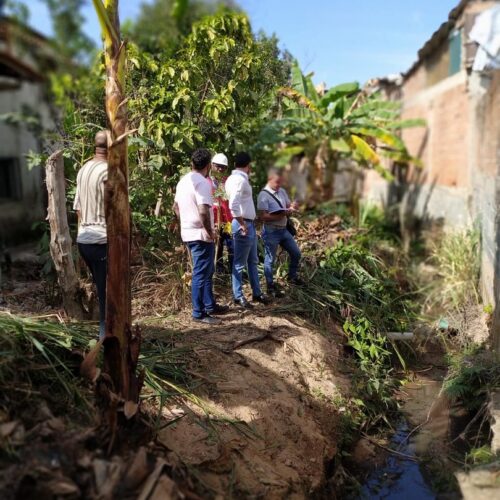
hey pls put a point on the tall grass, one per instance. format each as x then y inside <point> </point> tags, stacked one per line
<point>457,258</point>
<point>40,352</point>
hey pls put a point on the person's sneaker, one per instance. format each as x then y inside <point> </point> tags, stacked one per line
<point>274,291</point>
<point>243,303</point>
<point>218,309</point>
<point>208,320</point>
<point>263,299</point>
<point>296,281</point>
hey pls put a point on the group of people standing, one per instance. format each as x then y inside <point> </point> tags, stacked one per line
<point>212,209</point>
<point>220,208</point>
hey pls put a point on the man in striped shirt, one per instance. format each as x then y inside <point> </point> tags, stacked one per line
<point>89,205</point>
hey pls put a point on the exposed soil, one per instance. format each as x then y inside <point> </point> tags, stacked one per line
<point>272,385</point>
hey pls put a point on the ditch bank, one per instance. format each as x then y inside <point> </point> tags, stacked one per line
<point>273,397</point>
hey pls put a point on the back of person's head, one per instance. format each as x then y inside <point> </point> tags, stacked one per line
<point>274,172</point>
<point>101,139</point>
<point>242,159</point>
<point>201,158</point>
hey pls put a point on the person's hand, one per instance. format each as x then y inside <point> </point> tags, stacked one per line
<point>209,236</point>
<point>244,230</point>
<point>295,206</point>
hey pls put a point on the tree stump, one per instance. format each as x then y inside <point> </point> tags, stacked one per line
<point>60,239</point>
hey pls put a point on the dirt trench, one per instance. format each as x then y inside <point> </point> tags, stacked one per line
<point>274,390</point>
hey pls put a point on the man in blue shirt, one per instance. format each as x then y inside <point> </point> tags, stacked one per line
<point>275,207</point>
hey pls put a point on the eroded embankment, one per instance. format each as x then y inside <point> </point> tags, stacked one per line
<point>273,388</point>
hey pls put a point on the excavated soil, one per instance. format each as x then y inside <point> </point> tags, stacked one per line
<point>273,390</point>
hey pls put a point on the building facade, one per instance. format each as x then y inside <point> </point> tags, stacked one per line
<point>25,59</point>
<point>459,182</point>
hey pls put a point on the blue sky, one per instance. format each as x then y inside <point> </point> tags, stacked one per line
<point>339,40</point>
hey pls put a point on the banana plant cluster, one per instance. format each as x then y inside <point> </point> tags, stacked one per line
<point>344,122</point>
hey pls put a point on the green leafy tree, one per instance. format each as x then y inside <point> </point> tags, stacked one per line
<point>162,24</point>
<point>343,122</point>
<point>216,91</point>
<point>67,24</point>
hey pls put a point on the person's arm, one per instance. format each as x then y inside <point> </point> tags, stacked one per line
<point>291,207</point>
<point>265,216</point>
<point>175,208</point>
<point>206,220</point>
<point>76,203</point>
<point>234,194</point>
<point>263,208</point>
<point>204,200</point>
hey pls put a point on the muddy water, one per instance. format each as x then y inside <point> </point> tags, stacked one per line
<point>423,431</point>
<point>399,477</point>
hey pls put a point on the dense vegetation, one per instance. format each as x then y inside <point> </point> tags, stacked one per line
<point>201,77</point>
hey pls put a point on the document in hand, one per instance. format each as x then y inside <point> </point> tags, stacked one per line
<point>278,211</point>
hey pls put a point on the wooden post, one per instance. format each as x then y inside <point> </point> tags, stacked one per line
<point>60,239</point>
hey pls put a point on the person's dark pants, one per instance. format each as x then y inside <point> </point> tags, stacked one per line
<point>225,240</point>
<point>202,295</point>
<point>95,256</point>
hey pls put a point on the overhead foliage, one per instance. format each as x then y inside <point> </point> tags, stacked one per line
<point>163,24</point>
<point>67,24</point>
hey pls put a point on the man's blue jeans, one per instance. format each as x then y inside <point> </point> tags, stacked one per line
<point>274,237</point>
<point>245,256</point>
<point>202,295</point>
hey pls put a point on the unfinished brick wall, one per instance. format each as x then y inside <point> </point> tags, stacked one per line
<point>442,145</point>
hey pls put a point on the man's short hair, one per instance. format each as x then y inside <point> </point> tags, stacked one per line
<point>272,171</point>
<point>101,139</point>
<point>242,159</point>
<point>201,158</point>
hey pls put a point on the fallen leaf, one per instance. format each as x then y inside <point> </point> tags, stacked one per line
<point>166,489</point>
<point>62,487</point>
<point>8,428</point>
<point>130,409</point>
<point>138,470</point>
<point>152,479</point>
<point>88,368</point>
<point>107,475</point>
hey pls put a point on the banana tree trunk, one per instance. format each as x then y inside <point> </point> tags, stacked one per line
<point>121,346</point>
<point>328,187</point>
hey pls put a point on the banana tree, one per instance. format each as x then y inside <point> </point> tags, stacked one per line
<point>121,344</point>
<point>344,122</point>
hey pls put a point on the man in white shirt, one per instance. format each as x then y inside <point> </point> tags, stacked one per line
<point>239,192</point>
<point>89,205</point>
<point>193,206</point>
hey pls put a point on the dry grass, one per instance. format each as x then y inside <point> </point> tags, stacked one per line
<point>162,285</point>
<point>456,256</point>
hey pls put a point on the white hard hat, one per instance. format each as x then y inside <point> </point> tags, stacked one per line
<point>220,159</point>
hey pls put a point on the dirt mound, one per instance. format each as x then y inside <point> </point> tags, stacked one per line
<point>274,392</point>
